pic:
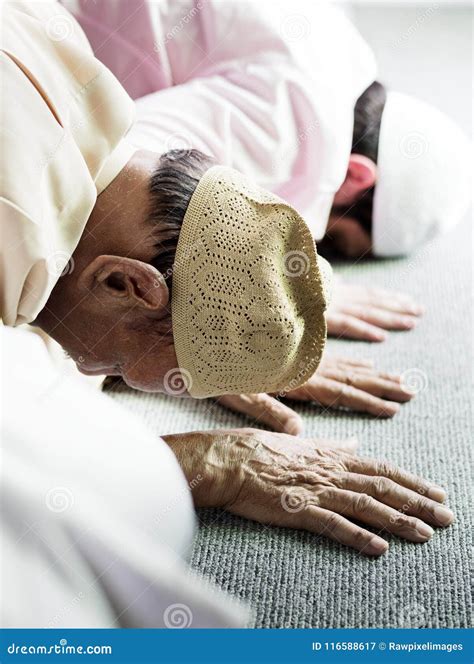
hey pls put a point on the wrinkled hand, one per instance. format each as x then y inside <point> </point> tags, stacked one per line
<point>338,382</point>
<point>359,312</point>
<point>304,483</point>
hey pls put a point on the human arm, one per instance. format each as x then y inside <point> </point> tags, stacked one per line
<point>305,483</point>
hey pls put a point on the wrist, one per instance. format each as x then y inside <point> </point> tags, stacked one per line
<point>213,463</point>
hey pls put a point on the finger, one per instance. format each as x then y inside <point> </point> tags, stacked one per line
<point>362,369</point>
<point>374,467</point>
<point>348,362</point>
<point>333,394</point>
<point>266,410</point>
<point>345,326</point>
<point>393,378</point>
<point>336,527</point>
<point>397,302</point>
<point>388,320</point>
<point>366,509</point>
<point>400,498</point>
<point>390,300</point>
<point>373,384</point>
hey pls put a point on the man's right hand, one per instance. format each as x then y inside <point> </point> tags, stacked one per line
<point>363,313</point>
<point>313,484</point>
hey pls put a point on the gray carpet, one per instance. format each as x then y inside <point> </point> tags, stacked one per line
<point>295,579</point>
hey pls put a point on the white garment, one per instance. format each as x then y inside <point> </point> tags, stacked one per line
<point>63,117</point>
<point>267,87</point>
<point>424,176</point>
<point>96,517</point>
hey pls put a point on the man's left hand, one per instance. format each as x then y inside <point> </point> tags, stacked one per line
<point>363,313</point>
<point>351,384</point>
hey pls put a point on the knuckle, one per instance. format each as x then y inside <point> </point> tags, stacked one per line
<point>349,392</point>
<point>403,522</point>
<point>419,504</point>
<point>384,468</point>
<point>338,480</point>
<point>249,432</point>
<point>360,538</point>
<point>363,502</point>
<point>382,487</point>
<point>333,521</point>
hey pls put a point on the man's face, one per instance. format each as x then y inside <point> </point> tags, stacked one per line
<point>347,235</point>
<point>111,313</point>
<point>142,355</point>
<point>353,202</point>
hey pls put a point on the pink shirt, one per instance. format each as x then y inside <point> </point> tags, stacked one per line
<point>268,88</point>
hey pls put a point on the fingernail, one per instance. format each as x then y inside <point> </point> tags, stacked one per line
<point>379,336</point>
<point>409,323</point>
<point>436,493</point>
<point>350,444</point>
<point>293,427</point>
<point>376,546</point>
<point>392,407</point>
<point>424,530</point>
<point>443,515</point>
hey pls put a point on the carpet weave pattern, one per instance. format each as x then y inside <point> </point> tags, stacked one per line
<point>295,579</point>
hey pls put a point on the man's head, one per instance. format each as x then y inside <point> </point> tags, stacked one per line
<point>184,266</point>
<point>112,311</point>
<point>407,178</point>
<point>350,222</point>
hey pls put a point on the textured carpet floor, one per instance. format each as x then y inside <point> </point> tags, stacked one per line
<point>295,579</point>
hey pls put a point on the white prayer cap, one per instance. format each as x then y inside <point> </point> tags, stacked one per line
<point>423,185</point>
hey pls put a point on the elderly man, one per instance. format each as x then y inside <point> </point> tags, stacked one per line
<point>301,114</point>
<point>240,315</point>
<point>293,104</point>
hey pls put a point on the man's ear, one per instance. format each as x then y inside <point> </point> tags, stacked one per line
<point>361,175</point>
<point>128,281</point>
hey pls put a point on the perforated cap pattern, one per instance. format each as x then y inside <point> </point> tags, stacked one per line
<point>248,294</point>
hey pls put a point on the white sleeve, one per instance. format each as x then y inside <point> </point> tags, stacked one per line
<point>272,103</point>
<point>96,516</point>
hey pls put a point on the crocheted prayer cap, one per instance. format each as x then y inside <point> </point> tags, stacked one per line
<point>249,291</point>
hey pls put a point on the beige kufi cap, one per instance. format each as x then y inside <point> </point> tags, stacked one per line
<point>249,291</point>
